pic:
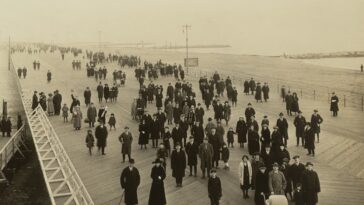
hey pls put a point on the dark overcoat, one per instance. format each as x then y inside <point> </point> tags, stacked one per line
<point>334,105</point>
<point>178,163</point>
<point>126,139</point>
<point>130,180</point>
<point>253,142</point>
<point>101,135</point>
<point>299,123</point>
<point>310,186</point>
<point>192,151</point>
<point>241,130</point>
<point>157,195</point>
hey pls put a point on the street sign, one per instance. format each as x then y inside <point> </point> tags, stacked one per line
<point>191,62</point>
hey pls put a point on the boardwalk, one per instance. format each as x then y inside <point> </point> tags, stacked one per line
<point>338,162</point>
<point>8,92</point>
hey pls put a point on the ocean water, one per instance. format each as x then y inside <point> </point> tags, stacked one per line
<point>344,63</point>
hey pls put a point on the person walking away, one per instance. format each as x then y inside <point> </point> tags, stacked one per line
<point>101,136</point>
<point>65,112</point>
<point>178,164</point>
<point>245,175</point>
<point>334,106</point>
<point>112,121</point>
<point>214,188</point>
<point>90,141</point>
<point>277,181</point>
<point>157,194</point>
<point>310,139</point>
<point>206,153</point>
<point>126,139</point>
<point>310,185</point>
<point>192,151</point>
<point>129,181</point>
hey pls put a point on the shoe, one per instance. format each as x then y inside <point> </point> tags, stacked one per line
<point>308,154</point>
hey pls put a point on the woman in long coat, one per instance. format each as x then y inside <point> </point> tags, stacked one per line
<point>241,130</point>
<point>157,194</point>
<point>294,106</point>
<point>158,99</point>
<point>253,141</point>
<point>178,164</point>
<point>101,135</point>
<point>143,135</point>
<point>50,107</point>
<point>245,175</point>
<point>169,112</point>
<point>258,93</point>
<point>77,118</point>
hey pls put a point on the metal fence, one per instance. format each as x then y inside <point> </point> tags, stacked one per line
<point>63,183</point>
<point>320,93</point>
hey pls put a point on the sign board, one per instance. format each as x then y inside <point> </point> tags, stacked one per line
<point>191,62</point>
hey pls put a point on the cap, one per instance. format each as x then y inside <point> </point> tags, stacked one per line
<point>126,127</point>
<point>157,161</point>
<point>309,163</point>
<point>296,156</point>
<point>265,116</point>
<point>281,114</point>
<point>265,125</point>
<point>299,112</point>
<point>315,110</point>
<point>178,144</point>
<point>275,164</point>
<point>245,156</point>
<point>262,166</point>
<point>131,161</point>
<point>213,171</point>
<point>249,104</point>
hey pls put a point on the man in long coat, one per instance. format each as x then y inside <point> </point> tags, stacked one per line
<point>129,181</point>
<point>295,171</point>
<point>310,139</point>
<point>91,115</point>
<point>206,153</point>
<point>310,185</point>
<point>276,182</point>
<point>215,141</point>
<point>316,121</point>
<point>178,164</point>
<point>101,136</point>
<point>57,102</point>
<point>87,96</point>
<point>100,92</point>
<point>157,195</point>
<point>192,151</point>
<point>35,100</point>
<point>126,138</point>
<point>282,125</point>
<point>334,105</point>
<point>300,123</point>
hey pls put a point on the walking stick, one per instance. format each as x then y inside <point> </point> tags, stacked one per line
<point>122,196</point>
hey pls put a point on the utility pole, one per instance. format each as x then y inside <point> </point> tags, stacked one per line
<point>99,34</point>
<point>9,55</point>
<point>185,29</point>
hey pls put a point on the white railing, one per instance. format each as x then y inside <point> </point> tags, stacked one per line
<point>9,150</point>
<point>63,183</point>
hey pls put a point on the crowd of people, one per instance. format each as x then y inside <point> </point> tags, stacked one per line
<point>268,168</point>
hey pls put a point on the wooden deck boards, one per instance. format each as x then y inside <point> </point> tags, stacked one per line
<point>100,174</point>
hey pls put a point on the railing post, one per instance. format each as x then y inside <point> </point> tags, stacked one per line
<point>344,101</point>
<point>314,94</point>
<point>301,92</point>
<point>362,103</point>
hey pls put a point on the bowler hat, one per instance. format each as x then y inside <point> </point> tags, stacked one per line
<point>131,161</point>
<point>157,161</point>
<point>309,163</point>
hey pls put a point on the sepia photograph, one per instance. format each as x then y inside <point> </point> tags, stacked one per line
<point>193,102</point>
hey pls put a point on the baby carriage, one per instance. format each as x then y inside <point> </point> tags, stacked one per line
<point>275,200</point>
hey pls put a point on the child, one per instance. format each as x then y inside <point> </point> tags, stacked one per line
<point>298,197</point>
<point>65,113</point>
<point>162,154</point>
<point>90,141</point>
<point>225,155</point>
<point>166,135</point>
<point>230,137</point>
<point>214,188</point>
<point>112,121</point>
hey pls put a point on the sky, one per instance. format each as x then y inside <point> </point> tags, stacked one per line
<point>263,27</point>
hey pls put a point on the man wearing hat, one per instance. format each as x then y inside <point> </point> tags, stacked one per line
<point>261,185</point>
<point>35,100</point>
<point>316,121</point>
<point>295,171</point>
<point>100,91</point>
<point>57,102</point>
<point>289,102</point>
<point>198,132</point>
<point>249,111</point>
<point>126,139</point>
<point>101,136</point>
<point>209,126</point>
<point>265,120</point>
<point>276,140</point>
<point>283,128</point>
<point>334,105</point>
<point>214,188</point>
<point>192,150</point>
<point>310,185</point>
<point>206,153</point>
<point>178,164</point>
<point>129,181</point>
<point>200,112</point>
<point>258,93</point>
<point>157,195</point>
<point>310,139</point>
<point>276,181</point>
<point>265,90</point>
<point>216,141</point>
<point>300,123</point>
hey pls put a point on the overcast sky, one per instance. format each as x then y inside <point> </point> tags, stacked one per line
<point>265,27</point>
